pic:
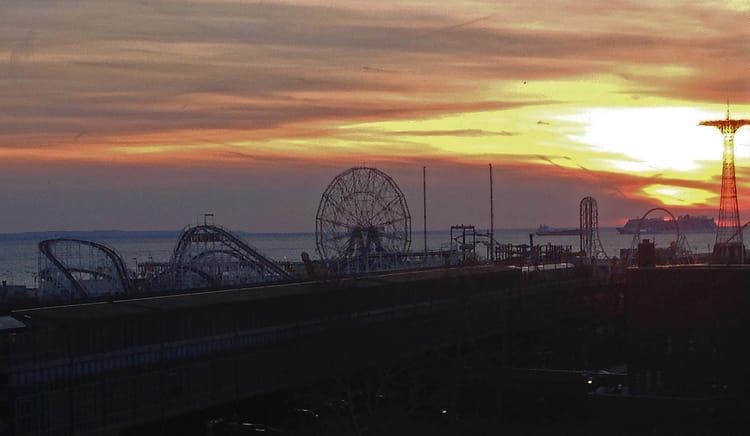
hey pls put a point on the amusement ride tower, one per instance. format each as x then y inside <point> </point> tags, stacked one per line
<point>729,245</point>
<point>591,244</point>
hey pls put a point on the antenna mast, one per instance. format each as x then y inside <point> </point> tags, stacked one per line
<point>492,220</point>
<point>424,205</point>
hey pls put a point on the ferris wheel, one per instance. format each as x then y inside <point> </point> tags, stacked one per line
<point>362,212</point>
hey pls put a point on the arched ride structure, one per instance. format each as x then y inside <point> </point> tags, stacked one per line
<point>678,249</point>
<point>363,222</point>
<point>207,256</point>
<point>73,269</point>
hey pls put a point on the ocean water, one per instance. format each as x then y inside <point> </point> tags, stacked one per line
<point>19,254</point>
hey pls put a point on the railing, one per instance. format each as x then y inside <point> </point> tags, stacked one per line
<point>522,255</point>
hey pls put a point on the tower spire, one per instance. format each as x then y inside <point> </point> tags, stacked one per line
<point>729,117</point>
<point>729,245</point>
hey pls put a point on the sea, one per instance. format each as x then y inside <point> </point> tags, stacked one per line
<point>19,253</point>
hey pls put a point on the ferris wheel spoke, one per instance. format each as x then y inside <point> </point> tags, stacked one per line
<point>334,222</point>
<point>356,185</point>
<point>387,208</point>
<point>382,187</point>
<point>332,202</point>
<point>391,221</point>
<point>353,212</point>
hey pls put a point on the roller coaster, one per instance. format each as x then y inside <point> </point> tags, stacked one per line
<point>205,257</point>
<point>78,269</point>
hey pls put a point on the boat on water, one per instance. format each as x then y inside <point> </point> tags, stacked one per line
<point>545,230</point>
<point>688,224</point>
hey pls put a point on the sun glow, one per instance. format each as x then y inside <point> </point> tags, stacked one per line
<point>654,139</point>
<point>679,195</point>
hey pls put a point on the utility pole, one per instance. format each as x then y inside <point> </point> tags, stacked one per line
<point>492,220</point>
<point>424,207</point>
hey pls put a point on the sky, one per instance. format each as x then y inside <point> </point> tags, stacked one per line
<point>145,114</point>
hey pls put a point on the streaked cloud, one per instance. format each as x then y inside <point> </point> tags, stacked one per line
<point>220,84</point>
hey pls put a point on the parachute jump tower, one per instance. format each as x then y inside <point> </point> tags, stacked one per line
<point>729,245</point>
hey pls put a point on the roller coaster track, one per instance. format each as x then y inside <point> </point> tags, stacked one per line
<point>234,246</point>
<point>46,247</point>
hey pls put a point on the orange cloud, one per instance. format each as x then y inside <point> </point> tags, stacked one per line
<point>302,84</point>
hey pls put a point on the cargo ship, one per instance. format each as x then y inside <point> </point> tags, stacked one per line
<point>545,230</point>
<point>688,224</point>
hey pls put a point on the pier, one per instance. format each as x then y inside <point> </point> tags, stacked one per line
<point>99,368</point>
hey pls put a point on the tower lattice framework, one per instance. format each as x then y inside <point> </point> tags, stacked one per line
<point>729,230</point>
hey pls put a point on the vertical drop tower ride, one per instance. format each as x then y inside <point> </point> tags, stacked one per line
<point>729,245</point>
<point>591,244</point>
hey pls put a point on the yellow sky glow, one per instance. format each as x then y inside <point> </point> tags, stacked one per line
<point>678,195</point>
<point>612,94</point>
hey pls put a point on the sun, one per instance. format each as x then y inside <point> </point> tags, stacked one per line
<point>653,139</point>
